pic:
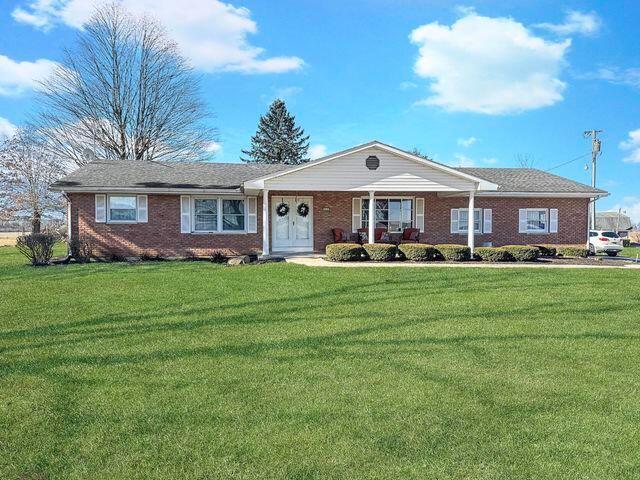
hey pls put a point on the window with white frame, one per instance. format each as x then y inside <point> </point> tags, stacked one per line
<point>216,214</point>
<point>232,215</point>
<point>205,214</point>
<point>537,220</point>
<point>463,220</point>
<point>394,214</point>
<point>123,208</point>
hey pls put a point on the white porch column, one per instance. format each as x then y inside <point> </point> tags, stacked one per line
<point>265,222</point>
<point>372,217</point>
<point>471,224</point>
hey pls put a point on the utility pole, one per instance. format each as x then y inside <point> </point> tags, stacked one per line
<point>595,152</point>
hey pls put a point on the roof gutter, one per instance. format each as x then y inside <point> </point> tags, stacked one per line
<point>160,191</point>
<point>595,195</point>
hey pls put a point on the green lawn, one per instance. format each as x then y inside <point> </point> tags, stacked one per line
<point>630,252</point>
<point>197,371</point>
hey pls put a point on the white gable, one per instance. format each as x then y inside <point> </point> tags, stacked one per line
<point>349,173</point>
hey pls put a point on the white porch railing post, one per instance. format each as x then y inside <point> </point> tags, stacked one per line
<point>372,217</point>
<point>471,222</point>
<point>265,222</point>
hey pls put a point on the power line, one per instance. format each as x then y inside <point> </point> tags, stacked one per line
<point>570,161</point>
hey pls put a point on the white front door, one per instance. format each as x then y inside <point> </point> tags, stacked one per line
<point>292,231</point>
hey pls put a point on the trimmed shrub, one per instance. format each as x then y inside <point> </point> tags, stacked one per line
<point>380,252</point>
<point>493,254</point>
<point>572,251</point>
<point>454,253</point>
<point>344,252</point>
<point>522,253</point>
<point>418,252</point>
<point>546,250</point>
<point>37,247</point>
<point>81,249</point>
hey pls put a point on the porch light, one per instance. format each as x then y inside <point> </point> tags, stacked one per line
<point>372,162</point>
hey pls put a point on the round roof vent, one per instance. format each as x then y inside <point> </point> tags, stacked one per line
<point>372,162</point>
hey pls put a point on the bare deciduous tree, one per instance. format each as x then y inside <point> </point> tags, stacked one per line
<point>26,172</point>
<point>525,160</point>
<point>126,92</point>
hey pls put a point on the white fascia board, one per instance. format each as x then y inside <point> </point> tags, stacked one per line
<point>158,191</point>
<point>530,194</point>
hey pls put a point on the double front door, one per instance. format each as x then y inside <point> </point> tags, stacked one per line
<point>292,223</point>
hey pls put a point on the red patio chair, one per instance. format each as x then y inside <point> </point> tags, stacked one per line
<point>377,234</point>
<point>410,235</point>
<point>340,236</point>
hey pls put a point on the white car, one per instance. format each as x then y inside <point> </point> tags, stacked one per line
<point>604,241</point>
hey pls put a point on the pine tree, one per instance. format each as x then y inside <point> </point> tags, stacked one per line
<point>278,140</point>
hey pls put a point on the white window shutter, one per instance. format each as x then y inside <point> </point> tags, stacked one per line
<point>420,214</point>
<point>522,220</point>
<point>455,214</point>
<point>487,226</point>
<point>101,208</point>
<point>252,214</point>
<point>185,214</point>
<point>356,214</point>
<point>553,220</point>
<point>143,209</point>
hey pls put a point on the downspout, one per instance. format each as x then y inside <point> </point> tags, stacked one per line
<point>66,197</point>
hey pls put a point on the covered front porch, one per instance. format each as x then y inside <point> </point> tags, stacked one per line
<point>302,205</point>
<point>308,221</point>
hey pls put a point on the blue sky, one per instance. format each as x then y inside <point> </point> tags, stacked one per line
<point>476,83</point>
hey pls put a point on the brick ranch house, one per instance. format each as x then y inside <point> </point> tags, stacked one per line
<point>130,208</point>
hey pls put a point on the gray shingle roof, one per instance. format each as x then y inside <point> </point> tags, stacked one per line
<point>529,180</point>
<point>613,221</point>
<point>162,175</point>
<point>211,176</point>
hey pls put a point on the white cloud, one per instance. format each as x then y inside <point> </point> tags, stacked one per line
<point>19,77</point>
<point>467,142</point>
<point>7,129</point>
<point>213,34</point>
<point>214,148</point>
<point>317,151</point>
<point>407,85</point>
<point>631,206</point>
<point>632,145</point>
<point>575,22</point>
<point>283,93</point>
<point>619,76</point>
<point>461,160</point>
<point>488,65</point>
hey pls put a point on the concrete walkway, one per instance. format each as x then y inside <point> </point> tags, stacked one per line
<point>317,260</point>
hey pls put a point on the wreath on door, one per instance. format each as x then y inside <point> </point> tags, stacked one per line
<point>282,209</point>
<point>303,209</point>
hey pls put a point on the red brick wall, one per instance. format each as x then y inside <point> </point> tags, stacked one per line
<point>572,218</point>
<point>161,235</point>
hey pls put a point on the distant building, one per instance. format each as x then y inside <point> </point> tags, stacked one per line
<point>614,221</point>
